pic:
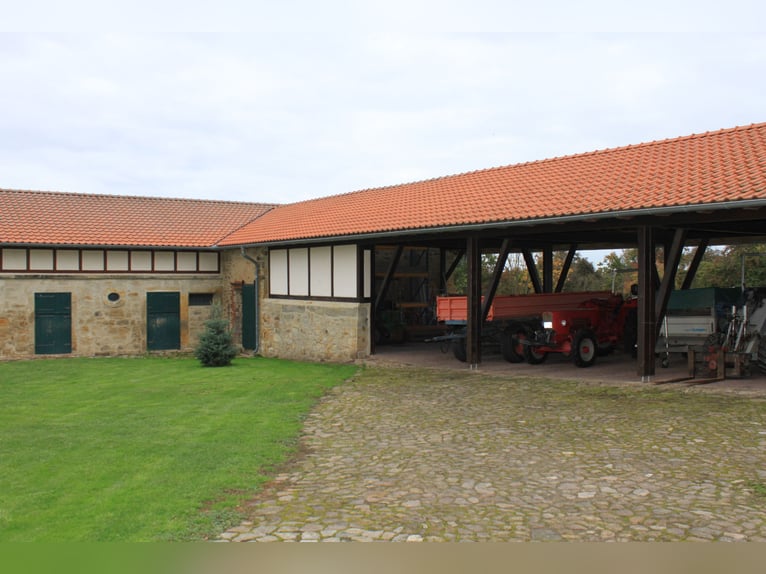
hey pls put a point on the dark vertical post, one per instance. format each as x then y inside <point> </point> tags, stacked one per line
<point>646,289</point>
<point>473,320</point>
<point>442,271</point>
<point>372,298</point>
<point>548,269</point>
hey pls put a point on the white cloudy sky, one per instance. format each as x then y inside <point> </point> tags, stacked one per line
<point>292,99</point>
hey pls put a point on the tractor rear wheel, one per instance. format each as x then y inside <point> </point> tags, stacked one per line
<point>584,348</point>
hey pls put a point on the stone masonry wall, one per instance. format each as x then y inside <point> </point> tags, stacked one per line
<point>315,330</point>
<point>99,326</point>
<point>293,328</point>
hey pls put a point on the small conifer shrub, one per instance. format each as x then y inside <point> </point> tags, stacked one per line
<point>215,348</point>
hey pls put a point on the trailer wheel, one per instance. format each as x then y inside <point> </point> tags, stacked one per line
<point>510,346</point>
<point>584,348</point>
<point>458,349</point>
<point>533,355</point>
<point>762,353</point>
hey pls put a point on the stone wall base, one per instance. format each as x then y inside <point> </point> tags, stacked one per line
<point>315,330</point>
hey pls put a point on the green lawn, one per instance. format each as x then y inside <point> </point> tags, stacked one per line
<point>147,448</point>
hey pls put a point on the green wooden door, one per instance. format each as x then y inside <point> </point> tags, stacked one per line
<point>163,321</point>
<point>53,323</point>
<point>248,316</point>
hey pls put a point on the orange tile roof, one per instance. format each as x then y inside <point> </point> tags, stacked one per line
<point>53,218</point>
<point>722,166</point>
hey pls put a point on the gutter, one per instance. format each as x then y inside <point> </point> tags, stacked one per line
<point>459,228</point>
<point>257,299</point>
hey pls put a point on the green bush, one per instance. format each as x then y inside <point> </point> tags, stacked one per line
<point>215,348</point>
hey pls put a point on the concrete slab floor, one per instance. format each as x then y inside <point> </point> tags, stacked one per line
<point>615,368</point>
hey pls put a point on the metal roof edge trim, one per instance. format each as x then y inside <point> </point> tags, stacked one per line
<point>117,247</point>
<point>662,211</point>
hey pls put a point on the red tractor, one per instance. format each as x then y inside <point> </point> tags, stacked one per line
<point>529,327</point>
<point>594,327</point>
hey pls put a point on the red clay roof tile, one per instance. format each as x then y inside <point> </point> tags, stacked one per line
<point>727,165</point>
<point>53,218</point>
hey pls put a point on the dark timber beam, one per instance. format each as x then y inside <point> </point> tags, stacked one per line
<point>489,294</point>
<point>454,265</point>
<point>473,319</point>
<point>646,292</point>
<point>673,254</point>
<point>534,276</point>
<point>387,278</point>
<point>694,265</point>
<point>442,271</point>
<point>548,269</point>
<point>565,268</point>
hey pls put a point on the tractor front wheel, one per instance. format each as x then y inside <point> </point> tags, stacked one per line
<point>533,355</point>
<point>584,348</point>
<point>510,343</point>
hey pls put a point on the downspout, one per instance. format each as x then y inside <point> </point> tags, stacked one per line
<point>257,298</point>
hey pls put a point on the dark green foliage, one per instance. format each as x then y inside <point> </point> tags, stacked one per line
<point>215,348</point>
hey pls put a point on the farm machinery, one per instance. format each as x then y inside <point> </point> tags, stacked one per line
<point>530,327</point>
<point>722,332</point>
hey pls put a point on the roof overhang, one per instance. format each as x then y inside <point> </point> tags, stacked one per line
<point>493,226</point>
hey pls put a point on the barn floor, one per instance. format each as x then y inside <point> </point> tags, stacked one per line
<point>617,367</point>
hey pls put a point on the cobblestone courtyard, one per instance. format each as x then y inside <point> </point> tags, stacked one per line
<point>434,455</point>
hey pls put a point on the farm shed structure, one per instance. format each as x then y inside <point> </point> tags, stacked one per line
<point>89,275</point>
<point>309,280</point>
<point>699,190</point>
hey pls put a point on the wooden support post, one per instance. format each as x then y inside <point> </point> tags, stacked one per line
<point>646,313</point>
<point>534,276</point>
<point>442,271</point>
<point>473,322</point>
<point>489,294</point>
<point>565,268</point>
<point>548,269</point>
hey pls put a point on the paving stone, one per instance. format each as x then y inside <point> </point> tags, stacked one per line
<point>435,456</point>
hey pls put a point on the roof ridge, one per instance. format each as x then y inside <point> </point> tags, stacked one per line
<point>141,197</point>
<point>609,150</point>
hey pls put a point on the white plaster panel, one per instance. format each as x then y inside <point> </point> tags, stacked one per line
<point>344,271</point>
<point>14,259</point>
<point>164,261</point>
<point>140,260</point>
<point>93,260</point>
<point>208,261</point>
<point>41,259</point>
<point>187,261</point>
<point>278,272</point>
<point>299,272</point>
<point>67,260</point>
<point>321,271</point>
<point>367,272</point>
<point>116,260</point>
